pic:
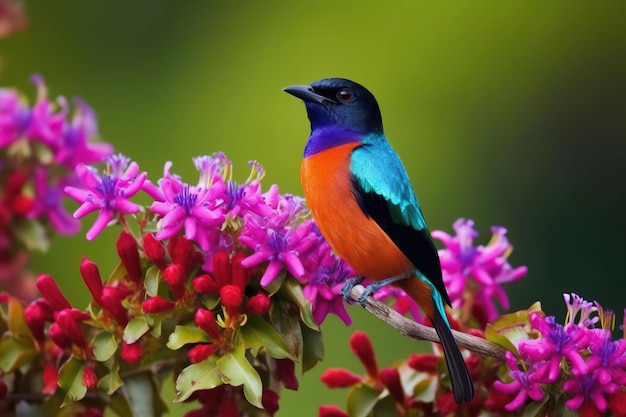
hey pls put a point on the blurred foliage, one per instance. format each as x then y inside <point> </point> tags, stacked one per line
<point>511,113</point>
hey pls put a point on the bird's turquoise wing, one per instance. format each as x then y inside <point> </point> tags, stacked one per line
<point>383,191</point>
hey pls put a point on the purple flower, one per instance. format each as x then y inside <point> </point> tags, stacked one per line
<point>74,147</point>
<point>14,116</point>
<point>556,341</point>
<point>190,207</point>
<point>279,239</point>
<point>586,387</point>
<point>324,284</point>
<point>45,125</point>
<point>485,265</point>
<point>326,300</point>
<point>524,383</point>
<point>49,203</point>
<point>106,192</point>
<point>576,306</point>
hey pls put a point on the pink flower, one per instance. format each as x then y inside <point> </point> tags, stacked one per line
<point>107,193</point>
<point>192,208</point>
<point>524,385</point>
<point>486,265</point>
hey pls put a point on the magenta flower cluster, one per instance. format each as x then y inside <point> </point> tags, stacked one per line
<point>581,356</point>
<point>53,144</point>
<point>471,273</point>
<point>217,213</point>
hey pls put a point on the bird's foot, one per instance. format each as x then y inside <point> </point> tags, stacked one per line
<point>375,286</point>
<point>348,285</point>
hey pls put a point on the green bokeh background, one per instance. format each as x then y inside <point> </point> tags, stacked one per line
<point>509,113</point>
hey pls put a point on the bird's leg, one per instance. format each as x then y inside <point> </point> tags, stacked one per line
<point>348,285</point>
<point>375,286</point>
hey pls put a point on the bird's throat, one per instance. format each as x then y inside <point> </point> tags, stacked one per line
<point>325,138</point>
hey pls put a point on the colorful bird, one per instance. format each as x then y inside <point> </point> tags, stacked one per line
<point>364,205</point>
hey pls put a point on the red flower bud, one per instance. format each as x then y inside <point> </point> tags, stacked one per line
<point>154,250</point>
<point>270,401</point>
<point>157,304</point>
<point>331,411</point>
<point>205,284</point>
<point>446,404</point>
<point>111,301</point>
<point>232,297</point>
<point>58,336</point>
<point>424,362</point>
<point>339,378</point>
<point>51,292</point>
<point>221,268</point>
<point>50,376</point>
<point>182,252</point>
<point>240,275</point>
<point>391,379</point>
<point>36,315</point>
<point>129,255</point>
<point>91,275</point>
<point>206,321</point>
<point>200,352</point>
<point>229,407</point>
<point>617,403</point>
<point>286,373</point>
<point>175,276</point>
<point>258,304</point>
<point>131,352</point>
<point>90,379</point>
<point>70,328</point>
<point>21,204</point>
<point>362,348</point>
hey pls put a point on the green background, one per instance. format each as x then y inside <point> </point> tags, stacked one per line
<point>509,113</point>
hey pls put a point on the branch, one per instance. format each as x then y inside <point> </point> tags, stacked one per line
<point>420,332</point>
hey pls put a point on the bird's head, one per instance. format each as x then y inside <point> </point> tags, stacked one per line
<point>340,104</point>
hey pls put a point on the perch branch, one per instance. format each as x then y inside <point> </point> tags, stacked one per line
<point>420,332</point>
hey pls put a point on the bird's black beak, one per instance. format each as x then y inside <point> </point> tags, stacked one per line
<point>306,93</point>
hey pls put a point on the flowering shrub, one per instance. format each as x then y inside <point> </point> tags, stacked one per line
<point>223,285</point>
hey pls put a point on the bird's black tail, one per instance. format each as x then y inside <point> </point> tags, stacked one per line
<point>462,385</point>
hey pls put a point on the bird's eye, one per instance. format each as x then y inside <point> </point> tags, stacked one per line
<point>344,95</point>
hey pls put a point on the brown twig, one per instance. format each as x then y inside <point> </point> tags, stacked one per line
<point>420,332</point>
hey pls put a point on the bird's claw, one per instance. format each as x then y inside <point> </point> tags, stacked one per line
<point>347,287</point>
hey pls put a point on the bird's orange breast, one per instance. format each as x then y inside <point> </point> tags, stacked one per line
<point>354,236</point>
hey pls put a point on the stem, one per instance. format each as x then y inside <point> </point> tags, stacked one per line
<point>418,331</point>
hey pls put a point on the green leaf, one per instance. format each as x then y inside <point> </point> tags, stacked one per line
<point>183,335</point>
<point>139,392</point>
<point>197,376</point>
<point>287,325</point>
<point>258,333</point>
<point>15,351</point>
<point>104,346</point>
<point>151,281</point>
<point>32,234</point>
<point>236,370</point>
<point>361,400</point>
<point>313,348</point>
<point>111,381</point>
<point>17,319</point>
<point>135,328</point>
<point>71,380</point>
<point>210,301</point>
<point>386,407</point>
<point>292,290</point>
